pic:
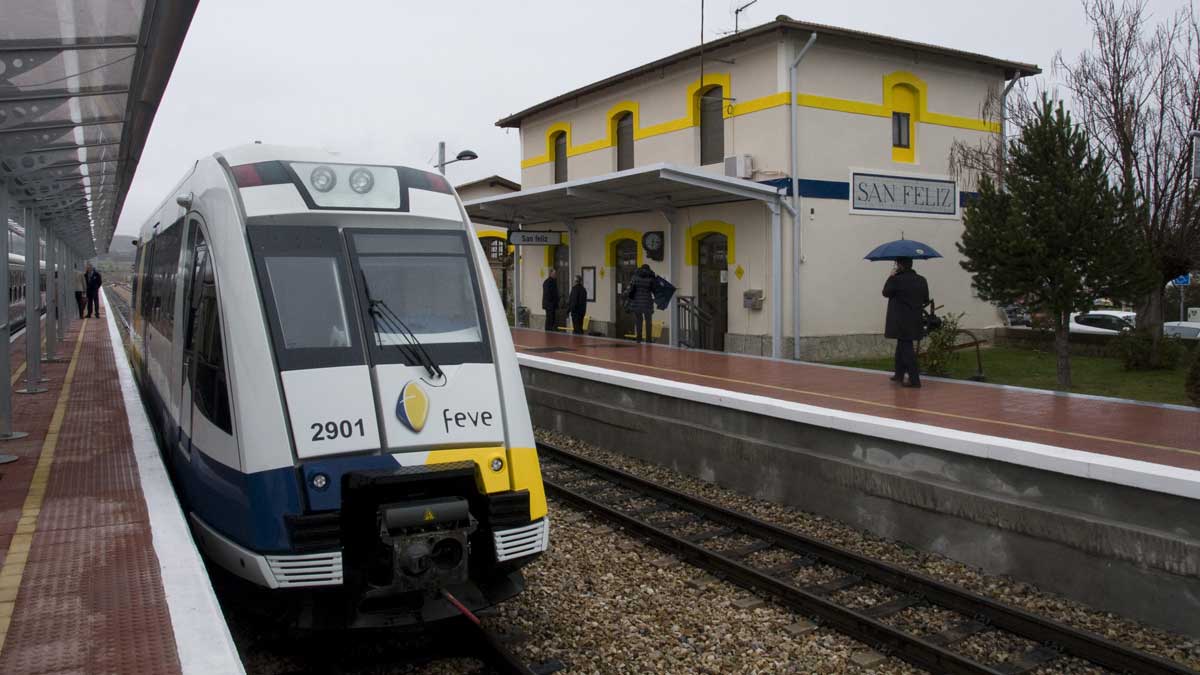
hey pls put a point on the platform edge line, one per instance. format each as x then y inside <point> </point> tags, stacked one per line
<point>202,638</point>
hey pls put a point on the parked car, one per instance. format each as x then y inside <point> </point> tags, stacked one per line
<point>1016,315</point>
<point>1102,322</point>
<point>1185,330</point>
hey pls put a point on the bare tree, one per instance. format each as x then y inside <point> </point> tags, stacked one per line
<point>1138,92</point>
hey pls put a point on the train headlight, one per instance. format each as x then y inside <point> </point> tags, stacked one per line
<point>322,179</point>
<point>361,181</point>
<point>497,464</point>
<point>320,481</point>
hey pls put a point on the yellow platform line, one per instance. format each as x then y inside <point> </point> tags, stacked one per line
<point>892,406</point>
<point>18,551</point>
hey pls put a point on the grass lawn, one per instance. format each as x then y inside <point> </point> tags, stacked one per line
<point>1090,374</point>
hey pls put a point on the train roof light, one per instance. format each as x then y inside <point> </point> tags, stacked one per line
<point>349,186</point>
<point>322,178</point>
<point>362,180</point>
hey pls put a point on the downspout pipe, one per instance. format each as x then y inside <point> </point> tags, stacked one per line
<point>1004,126</point>
<point>794,169</point>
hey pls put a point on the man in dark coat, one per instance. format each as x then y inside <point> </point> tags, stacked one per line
<point>907,292</point>
<point>577,304</point>
<point>641,301</point>
<point>550,299</point>
<point>94,281</point>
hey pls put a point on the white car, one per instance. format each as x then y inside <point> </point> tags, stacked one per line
<point>1102,322</point>
<point>1185,330</point>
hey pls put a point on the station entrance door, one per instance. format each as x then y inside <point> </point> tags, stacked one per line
<point>562,265</point>
<point>625,255</point>
<point>712,288</point>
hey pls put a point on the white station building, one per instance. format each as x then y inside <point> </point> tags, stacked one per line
<point>687,164</point>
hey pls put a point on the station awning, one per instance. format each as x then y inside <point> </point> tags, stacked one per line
<point>80,82</point>
<point>658,187</point>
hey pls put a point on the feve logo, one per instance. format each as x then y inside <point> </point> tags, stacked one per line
<point>412,408</point>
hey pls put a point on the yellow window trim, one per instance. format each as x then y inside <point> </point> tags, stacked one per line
<point>756,105</point>
<point>610,240</point>
<point>697,231</point>
<point>494,234</point>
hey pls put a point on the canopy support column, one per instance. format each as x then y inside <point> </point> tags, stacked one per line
<point>33,301</point>
<point>672,218</point>
<point>6,431</point>
<point>518,300</point>
<point>776,279</point>
<point>51,355</point>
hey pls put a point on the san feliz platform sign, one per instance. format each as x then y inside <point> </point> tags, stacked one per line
<point>534,238</point>
<point>903,195</point>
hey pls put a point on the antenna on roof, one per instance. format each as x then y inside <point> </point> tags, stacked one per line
<point>738,12</point>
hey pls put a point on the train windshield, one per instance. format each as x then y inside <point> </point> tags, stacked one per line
<point>306,290</point>
<point>420,295</point>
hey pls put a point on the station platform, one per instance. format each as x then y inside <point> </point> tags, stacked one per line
<point>98,572</point>
<point>1092,497</point>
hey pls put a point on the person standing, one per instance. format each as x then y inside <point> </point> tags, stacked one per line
<point>641,301</point>
<point>80,290</point>
<point>93,281</point>
<point>550,299</point>
<point>907,292</point>
<point>577,304</point>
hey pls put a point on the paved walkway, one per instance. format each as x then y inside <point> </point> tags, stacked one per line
<point>80,589</point>
<point>1164,435</point>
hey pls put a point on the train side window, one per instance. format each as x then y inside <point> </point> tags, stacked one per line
<point>204,340</point>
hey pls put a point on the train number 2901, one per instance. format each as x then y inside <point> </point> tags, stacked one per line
<point>331,431</point>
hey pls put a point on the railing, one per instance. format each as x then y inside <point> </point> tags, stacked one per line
<point>694,323</point>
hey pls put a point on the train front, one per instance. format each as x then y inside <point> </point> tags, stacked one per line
<point>413,450</point>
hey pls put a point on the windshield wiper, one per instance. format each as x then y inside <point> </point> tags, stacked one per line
<point>414,351</point>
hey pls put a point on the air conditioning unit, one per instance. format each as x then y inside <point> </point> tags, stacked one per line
<point>739,166</point>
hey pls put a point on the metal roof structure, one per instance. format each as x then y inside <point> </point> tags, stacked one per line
<point>655,187</point>
<point>782,24</point>
<point>80,82</point>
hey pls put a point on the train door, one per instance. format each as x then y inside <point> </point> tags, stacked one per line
<point>712,289</point>
<point>205,419</point>
<point>625,252</point>
<point>562,265</point>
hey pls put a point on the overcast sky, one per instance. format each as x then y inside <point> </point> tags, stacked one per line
<point>392,77</point>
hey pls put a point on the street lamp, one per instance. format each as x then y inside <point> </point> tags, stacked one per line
<point>464,156</point>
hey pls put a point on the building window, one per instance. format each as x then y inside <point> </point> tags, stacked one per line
<point>712,126</point>
<point>560,157</point>
<point>625,141</point>
<point>900,126</point>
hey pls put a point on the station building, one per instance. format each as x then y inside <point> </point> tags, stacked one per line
<point>686,164</point>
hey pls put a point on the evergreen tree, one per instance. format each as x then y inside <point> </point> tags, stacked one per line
<point>1059,236</point>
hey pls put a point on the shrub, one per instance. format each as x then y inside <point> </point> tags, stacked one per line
<point>1136,351</point>
<point>1192,383</point>
<point>939,354</point>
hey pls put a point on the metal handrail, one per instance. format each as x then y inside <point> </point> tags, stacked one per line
<point>694,323</point>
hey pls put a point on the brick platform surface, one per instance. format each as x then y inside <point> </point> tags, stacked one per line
<point>1166,435</point>
<point>80,590</point>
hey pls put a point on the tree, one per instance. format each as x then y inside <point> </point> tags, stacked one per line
<point>1056,237</point>
<point>1138,93</point>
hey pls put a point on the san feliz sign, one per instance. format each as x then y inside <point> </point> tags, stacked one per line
<point>532,238</point>
<point>872,192</point>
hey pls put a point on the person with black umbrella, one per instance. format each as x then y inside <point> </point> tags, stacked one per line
<point>907,293</point>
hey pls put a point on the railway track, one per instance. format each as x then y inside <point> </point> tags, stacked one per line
<point>771,560</point>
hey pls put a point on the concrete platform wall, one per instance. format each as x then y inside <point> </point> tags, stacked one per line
<point>1118,548</point>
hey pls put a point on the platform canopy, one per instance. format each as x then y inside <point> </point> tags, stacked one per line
<point>657,187</point>
<point>80,82</point>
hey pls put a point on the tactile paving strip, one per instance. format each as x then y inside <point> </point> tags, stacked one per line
<point>90,597</point>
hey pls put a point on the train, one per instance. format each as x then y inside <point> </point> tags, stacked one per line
<point>16,284</point>
<point>327,364</point>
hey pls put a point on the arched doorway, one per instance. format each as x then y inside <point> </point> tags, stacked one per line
<point>712,285</point>
<point>562,266</point>
<point>625,256</point>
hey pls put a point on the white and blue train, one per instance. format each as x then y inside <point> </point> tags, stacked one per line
<point>330,372</point>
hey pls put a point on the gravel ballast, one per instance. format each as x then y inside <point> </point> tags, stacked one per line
<point>1182,649</point>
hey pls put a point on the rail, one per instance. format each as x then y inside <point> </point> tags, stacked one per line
<point>670,509</point>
